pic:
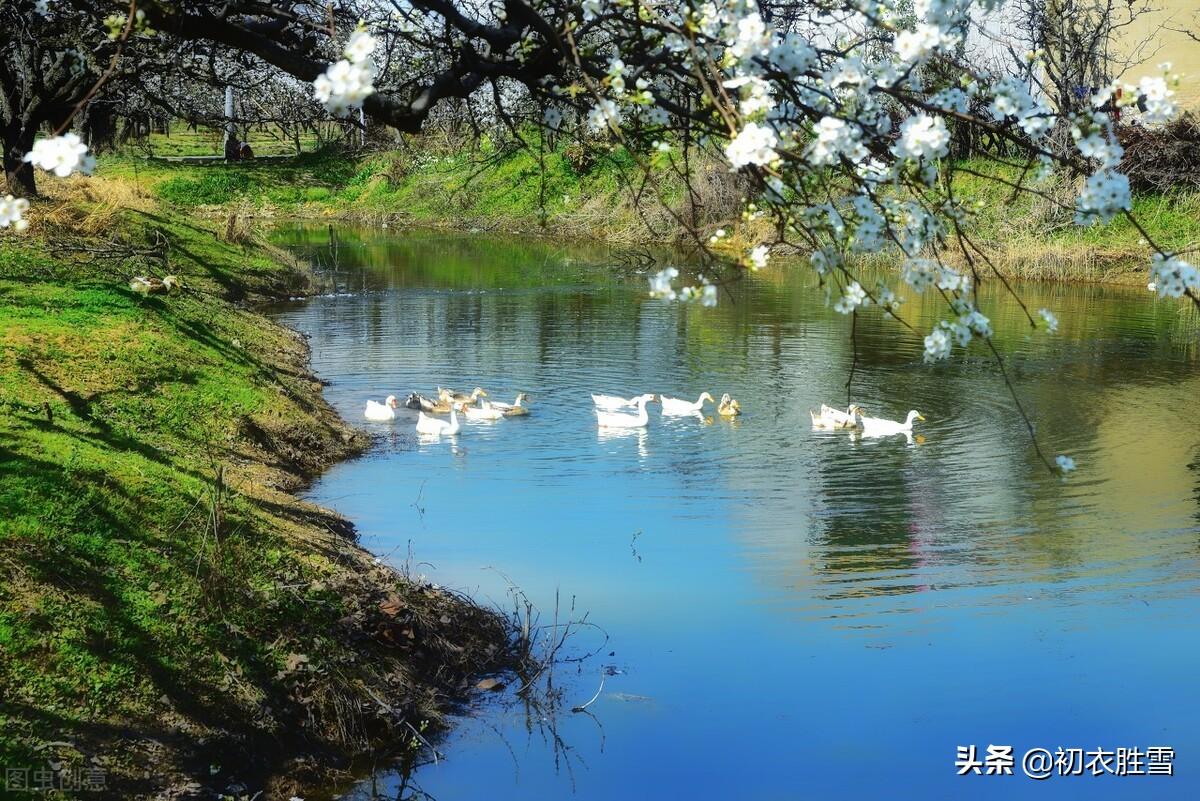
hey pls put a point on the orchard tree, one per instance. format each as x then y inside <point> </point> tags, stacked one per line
<point>50,60</point>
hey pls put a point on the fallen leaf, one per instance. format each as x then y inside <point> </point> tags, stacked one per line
<point>392,606</point>
<point>490,684</point>
<point>294,661</point>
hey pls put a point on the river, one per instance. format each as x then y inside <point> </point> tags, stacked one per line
<point>780,613</point>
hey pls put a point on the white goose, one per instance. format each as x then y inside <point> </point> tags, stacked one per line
<point>878,427</point>
<point>485,411</point>
<point>381,412</point>
<point>435,427</point>
<point>611,403</point>
<point>621,420</point>
<point>830,418</point>
<point>675,406</point>
<point>514,409</point>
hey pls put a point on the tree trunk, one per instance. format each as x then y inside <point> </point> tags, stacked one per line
<point>19,177</point>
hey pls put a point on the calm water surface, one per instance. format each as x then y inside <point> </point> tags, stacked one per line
<point>791,614</point>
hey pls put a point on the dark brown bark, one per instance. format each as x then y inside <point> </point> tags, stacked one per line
<point>19,177</point>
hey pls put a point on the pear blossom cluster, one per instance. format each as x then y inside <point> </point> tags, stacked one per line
<point>1105,194</point>
<point>923,137</point>
<point>1171,276</point>
<point>61,155</point>
<point>1156,97</point>
<point>940,342</point>
<point>12,212</point>
<point>1011,99</point>
<point>346,83</point>
<point>753,145</point>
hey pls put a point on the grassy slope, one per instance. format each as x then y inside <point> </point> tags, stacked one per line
<point>1036,237</point>
<point>163,594</point>
<point>509,191</point>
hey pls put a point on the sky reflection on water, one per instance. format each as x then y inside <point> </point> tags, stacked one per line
<point>791,614</point>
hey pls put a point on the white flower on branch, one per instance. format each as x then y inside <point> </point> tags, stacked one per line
<point>604,115</point>
<point>360,47</point>
<point>1050,319</point>
<point>752,38</point>
<point>835,138</point>
<point>754,144</point>
<point>916,44</point>
<point>345,84</point>
<point>660,283</point>
<point>1104,195</point>
<point>938,344</point>
<point>1172,276</point>
<point>793,55</point>
<point>61,155</point>
<point>922,137</point>
<point>1156,96</point>
<point>12,212</point>
<point>852,297</point>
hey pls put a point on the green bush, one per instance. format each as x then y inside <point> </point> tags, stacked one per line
<point>217,185</point>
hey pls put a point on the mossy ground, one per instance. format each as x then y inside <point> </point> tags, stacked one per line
<point>167,605</point>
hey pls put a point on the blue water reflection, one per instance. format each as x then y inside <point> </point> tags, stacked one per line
<point>791,614</point>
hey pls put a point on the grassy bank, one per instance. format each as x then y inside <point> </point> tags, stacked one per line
<point>568,192</point>
<point>168,608</point>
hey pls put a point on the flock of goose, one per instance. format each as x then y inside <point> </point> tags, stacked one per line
<point>612,411</point>
<point>854,419</point>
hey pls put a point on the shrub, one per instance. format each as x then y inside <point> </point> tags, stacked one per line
<point>218,185</point>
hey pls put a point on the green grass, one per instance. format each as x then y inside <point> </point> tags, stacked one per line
<point>183,141</point>
<point>562,192</point>
<point>1030,223</point>
<point>152,576</point>
<point>477,188</point>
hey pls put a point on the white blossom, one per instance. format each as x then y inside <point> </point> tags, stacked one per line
<point>853,296</point>
<point>938,344</point>
<point>359,47</point>
<point>920,274</point>
<point>344,86</point>
<point>835,138</point>
<point>923,137</point>
<point>1065,463</point>
<point>1172,276</point>
<point>61,155</point>
<point>12,212</point>
<point>1094,138</point>
<point>952,280</point>
<point>593,9</point>
<point>346,83</point>
<point>1010,98</point>
<point>603,115</point>
<point>1050,319</point>
<point>754,144</point>
<point>952,99</point>
<point>1104,195</point>
<point>823,261</point>
<point>916,44</point>
<point>1156,96</point>
<point>793,55</point>
<point>752,38</point>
